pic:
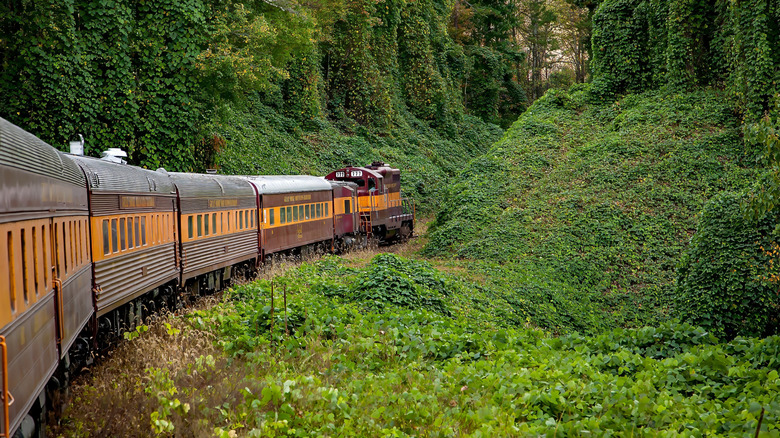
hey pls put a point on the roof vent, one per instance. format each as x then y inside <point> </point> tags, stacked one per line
<point>114,155</point>
<point>77,147</point>
<point>378,164</point>
<point>211,171</point>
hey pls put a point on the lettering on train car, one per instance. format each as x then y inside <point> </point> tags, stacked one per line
<point>355,173</point>
<point>136,202</point>
<point>297,198</point>
<point>341,175</point>
<point>222,203</point>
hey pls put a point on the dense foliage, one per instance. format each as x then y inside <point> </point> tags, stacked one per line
<point>119,72</point>
<point>643,44</point>
<point>168,80</point>
<point>356,364</point>
<point>601,198</point>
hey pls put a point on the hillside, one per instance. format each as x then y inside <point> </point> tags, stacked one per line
<point>596,202</point>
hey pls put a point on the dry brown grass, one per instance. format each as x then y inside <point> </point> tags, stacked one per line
<point>111,399</point>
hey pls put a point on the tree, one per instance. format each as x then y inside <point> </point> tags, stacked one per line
<point>536,30</point>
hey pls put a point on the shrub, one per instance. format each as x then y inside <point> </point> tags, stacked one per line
<point>728,279</point>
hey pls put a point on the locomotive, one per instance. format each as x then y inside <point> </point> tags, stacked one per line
<point>91,247</point>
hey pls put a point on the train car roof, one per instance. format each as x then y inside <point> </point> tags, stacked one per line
<point>277,184</point>
<point>21,150</point>
<point>348,184</point>
<point>199,185</point>
<point>106,176</point>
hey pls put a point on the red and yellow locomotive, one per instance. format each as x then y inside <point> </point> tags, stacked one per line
<point>90,248</point>
<point>383,212</point>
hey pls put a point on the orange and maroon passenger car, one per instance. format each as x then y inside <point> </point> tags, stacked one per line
<point>45,275</point>
<point>296,212</point>
<point>218,228</point>
<point>134,235</point>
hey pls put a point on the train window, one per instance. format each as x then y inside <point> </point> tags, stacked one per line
<point>300,212</point>
<point>289,214</point>
<point>319,211</point>
<point>11,270</point>
<point>137,231</point>
<point>55,258</point>
<point>189,227</point>
<point>106,247</point>
<point>67,248</point>
<point>228,222</point>
<point>326,210</point>
<point>206,225</point>
<point>143,231</point>
<point>200,225</point>
<point>36,259</point>
<point>45,254</point>
<point>79,248</point>
<point>240,220</point>
<point>73,249</point>
<point>282,218</point>
<point>114,236</point>
<point>25,276</point>
<point>271,216</point>
<point>64,247</point>
<point>122,235</point>
<point>222,222</point>
<point>83,240</point>
<point>214,223</point>
<point>80,245</point>
<point>130,239</point>
<point>295,214</point>
<point>252,216</point>
<point>347,206</point>
<point>306,211</point>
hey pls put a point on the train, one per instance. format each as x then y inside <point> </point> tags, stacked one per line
<point>91,247</point>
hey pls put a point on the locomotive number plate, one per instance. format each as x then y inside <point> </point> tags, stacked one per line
<point>355,173</point>
<point>340,174</point>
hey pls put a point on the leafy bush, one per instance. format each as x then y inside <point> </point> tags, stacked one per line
<point>728,279</point>
<point>389,279</point>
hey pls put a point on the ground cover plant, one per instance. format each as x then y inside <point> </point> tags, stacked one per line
<point>394,347</point>
<point>600,198</point>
